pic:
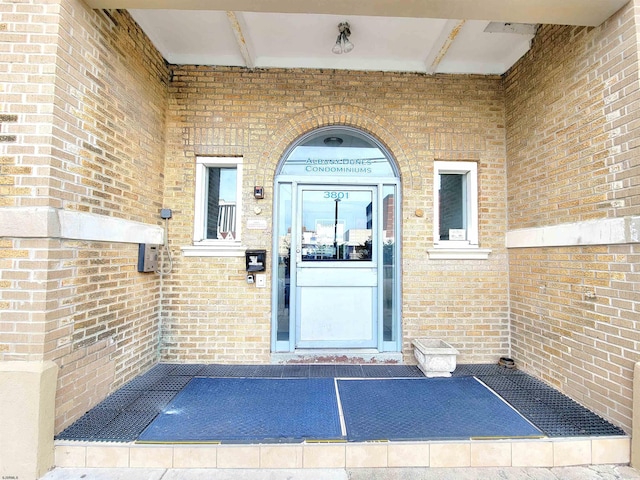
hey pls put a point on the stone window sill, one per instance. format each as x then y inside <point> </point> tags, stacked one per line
<point>227,250</point>
<point>458,253</point>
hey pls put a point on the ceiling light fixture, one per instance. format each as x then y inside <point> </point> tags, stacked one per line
<point>343,45</point>
<point>333,141</point>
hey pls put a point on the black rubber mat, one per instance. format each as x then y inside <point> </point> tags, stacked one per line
<point>89,425</point>
<point>554,413</point>
<point>164,368</point>
<point>296,371</point>
<point>499,382</point>
<point>349,371</point>
<point>126,427</point>
<point>146,381</point>
<point>124,414</point>
<point>228,371</point>
<point>170,383</point>
<point>322,371</point>
<point>187,369</point>
<point>391,371</point>
<point>119,400</point>
<point>153,401</point>
<point>269,371</point>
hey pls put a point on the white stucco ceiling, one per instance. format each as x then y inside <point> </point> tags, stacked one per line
<point>428,36</point>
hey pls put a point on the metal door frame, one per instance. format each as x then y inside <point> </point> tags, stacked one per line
<point>383,183</point>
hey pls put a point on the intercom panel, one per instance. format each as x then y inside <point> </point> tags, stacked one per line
<point>147,257</point>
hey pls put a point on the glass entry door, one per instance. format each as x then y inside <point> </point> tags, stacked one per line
<point>336,267</point>
<point>336,255</point>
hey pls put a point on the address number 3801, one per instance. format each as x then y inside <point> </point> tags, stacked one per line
<point>336,195</point>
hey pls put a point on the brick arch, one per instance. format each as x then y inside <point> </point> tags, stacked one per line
<point>339,115</point>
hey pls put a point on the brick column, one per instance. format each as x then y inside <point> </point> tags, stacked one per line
<point>27,408</point>
<point>635,431</point>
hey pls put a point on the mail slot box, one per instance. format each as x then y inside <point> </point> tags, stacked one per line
<point>256,260</point>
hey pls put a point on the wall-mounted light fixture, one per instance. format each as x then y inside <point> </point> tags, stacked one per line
<point>343,45</point>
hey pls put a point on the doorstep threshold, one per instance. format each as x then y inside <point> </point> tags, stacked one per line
<point>337,356</point>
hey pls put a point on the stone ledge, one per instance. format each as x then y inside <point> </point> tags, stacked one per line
<point>47,222</point>
<point>608,231</point>
<point>543,452</point>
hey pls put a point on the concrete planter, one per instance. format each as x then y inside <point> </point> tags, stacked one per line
<point>435,357</point>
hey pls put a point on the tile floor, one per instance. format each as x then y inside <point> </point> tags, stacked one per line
<point>104,437</point>
<point>495,453</point>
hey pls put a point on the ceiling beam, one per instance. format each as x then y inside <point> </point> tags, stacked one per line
<point>562,12</point>
<point>237,25</point>
<point>442,45</point>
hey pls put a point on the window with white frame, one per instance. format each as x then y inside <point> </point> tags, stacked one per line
<point>455,208</point>
<point>218,206</point>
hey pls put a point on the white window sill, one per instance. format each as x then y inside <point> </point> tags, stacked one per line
<point>227,250</point>
<point>467,253</point>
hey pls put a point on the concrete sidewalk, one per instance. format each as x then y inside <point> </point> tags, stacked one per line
<point>597,472</point>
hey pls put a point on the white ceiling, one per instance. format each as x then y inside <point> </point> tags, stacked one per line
<point>428,36</point>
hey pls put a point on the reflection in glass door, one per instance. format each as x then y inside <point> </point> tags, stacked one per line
<point>336,225</point>
<point>336,281</point>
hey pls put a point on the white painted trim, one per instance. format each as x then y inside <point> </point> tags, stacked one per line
<point>608,231</point>
<point>214,250</point>
<point>468,253</point>
<point>47,222</point>
<point>470,201</point>
<point>201,184</point>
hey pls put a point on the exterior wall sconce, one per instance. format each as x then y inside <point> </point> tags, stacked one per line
<point>343,45</point>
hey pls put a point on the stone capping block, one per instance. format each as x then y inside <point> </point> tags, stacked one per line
<point>470,453</point>
<point>608,231</point>
<point>47,222</point>
<point>571,452</point>
<point>436,358</point>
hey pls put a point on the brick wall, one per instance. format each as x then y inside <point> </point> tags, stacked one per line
<point>575,322</point>
<point>91,124</point>
<point>22,135</point>
<point>82,119</point>
<point>572,133</point>
<point>572,149</point>
<point>212,315</point>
